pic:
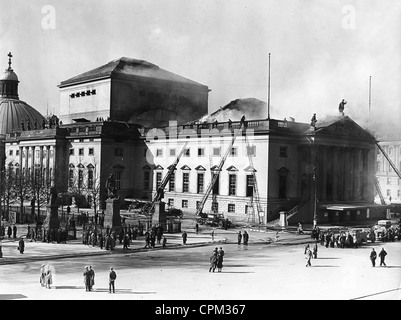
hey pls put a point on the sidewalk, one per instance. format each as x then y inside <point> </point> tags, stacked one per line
<point>37,251</point>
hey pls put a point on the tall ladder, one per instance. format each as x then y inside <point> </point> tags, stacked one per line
<point>214,195</point>
<point>379,191</point>
<point>255,199</point>
<point>160,190</point>
<point>216,175</point>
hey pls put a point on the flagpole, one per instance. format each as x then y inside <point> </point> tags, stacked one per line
<point>268,93</point>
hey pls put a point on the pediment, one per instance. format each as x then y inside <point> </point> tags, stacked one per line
<point>250,169</point>
<point>185,168</point>
<point>159,167</point>
<point>232,168</point>
<point>215,168</point>
<point>200,168</point>
<point>345,127</point>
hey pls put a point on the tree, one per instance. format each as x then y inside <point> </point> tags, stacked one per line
<point>7,193</point>
<point>40,184</point>
<point>21,187</point>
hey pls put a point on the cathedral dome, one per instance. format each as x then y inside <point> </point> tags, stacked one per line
<point>13,112</point>
<point>8,75</point>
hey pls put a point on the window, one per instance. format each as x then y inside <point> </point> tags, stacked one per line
<point>81,140</point>
<point>233,152</point>
<point>80,178</point>
<point>379,164</point>
<point>159,152</point>
<point>187,153</point>
<point>184,204</point>
<point>172,152</point>
<point>81,151</point>
<point>231,207</point>
<point>158,179</point>
<point>91,151</point>
<point>93,91</point>
<point>91,140</point>
<point>200,184</point>
<point>71,152</point>
<point>216,152</point>
<point>232,185</point>
<point>117,176</point>
<point>17,152</point>
<point>251,151</point>
<point>185,182</point>
<point>283,152</point>
<point>170,203</point>
<point>90,179</point>
<point>118,152</point>
<point>171,186</point>
<point>11,152</point>
<point>201,152</point>
<point>71,178</point>
<point>388,193</point>
<point>146,180</point>
<point>249,186</point>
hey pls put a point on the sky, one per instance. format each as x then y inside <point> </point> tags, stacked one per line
<point>321,51</point>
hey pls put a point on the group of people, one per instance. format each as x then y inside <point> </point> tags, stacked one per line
<point>11,231</point>
<point>243,237</point>
<point>46,275</point>
<point>216,260</point>
<point>89,279</point>
<point>382,256</point>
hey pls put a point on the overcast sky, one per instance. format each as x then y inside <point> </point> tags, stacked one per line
<point>321,51</point>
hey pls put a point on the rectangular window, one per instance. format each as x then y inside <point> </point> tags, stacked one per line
<point>232,187</point>
<point>11,152</point>
<point>90,179</point>
<point>283,152</point>
<point>231,207</point>
<point>17,152</point>
<point>201,152</point>
<point>171,186</point>
<point>216,151</point>
<point>187,152</point>
<point>251,151</point>
<point>80,178</point>
<point>158,179</point>
<point>117,176</point>
<point>172,152</point>
<point>71,152</point>
<point>184,204</point>
<point>81,140</point>
<point>249,186</point>
<point>185,182</point>
<point>71,178</point>
<point>91,151</point>
<point>81,151</point>
<point>159,152</point>
<point>233,152</point>
<point>146,180</point>
<point>170,203</point>
<point>118,152</point>
<point>200,184</point>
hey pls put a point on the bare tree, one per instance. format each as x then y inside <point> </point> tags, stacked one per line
<point>7,192</point>
<point>21,187</point>
<point>40,184</point>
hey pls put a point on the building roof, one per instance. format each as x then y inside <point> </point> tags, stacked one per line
<point>8,75</point>
<point>129,67</point>
<point>13,111</point>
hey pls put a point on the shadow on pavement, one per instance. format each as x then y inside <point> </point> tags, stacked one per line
<point>12,296</point>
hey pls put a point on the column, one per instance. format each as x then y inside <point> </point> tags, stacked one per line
<point>323,173</point>
<point>48,162</point>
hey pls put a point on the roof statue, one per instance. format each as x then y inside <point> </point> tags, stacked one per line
<point>341,107</point>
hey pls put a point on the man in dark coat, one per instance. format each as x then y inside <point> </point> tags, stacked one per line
<point>14,231</point>
<point>184,237</point>
<point>112,279</point>
<point>382,256</point>
<point>21,245</point>
<point>87,278</point>
<point>213,260</point>
<point>246,237</point>
<point>239,237</point>
<point>220,255</point>
<point>9,231</point>
<point>373,257</point>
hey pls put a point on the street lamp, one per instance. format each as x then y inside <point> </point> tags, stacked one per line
<point>315,200</point>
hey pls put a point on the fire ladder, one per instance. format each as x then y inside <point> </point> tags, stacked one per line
<point>160,190</point>
<point>255,199</point>
<point>216,175</point>
<point>377,184</point>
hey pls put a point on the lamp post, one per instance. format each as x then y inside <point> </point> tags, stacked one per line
<point>315,199</point>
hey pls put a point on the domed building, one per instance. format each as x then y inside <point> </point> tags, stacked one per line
<point>14,113</point>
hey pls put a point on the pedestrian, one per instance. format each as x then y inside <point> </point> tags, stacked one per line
<point>9,231</point>
<point>197,228</point>
<point>92,277</point>
<point>14,231</point>
<point>126,242</point>
<point>213,260</point>
<point>306,248</point>
<point>213,235</point>
<point>220,255</point>
<point>48,276</point>
<point>315,251</point>
<point>164,242</point>
<point>246,237</point>
<point>300,229</point>
<point>42,275</point>
<point>277,235</point>
<point>239,237</point>
<point>382,256</point>
<point>373,257</point>
<point>87,278</point>
<point>112,279</point>
<point>147,239</point>
<point>308,257</point>
<point>21,245</point>
<point>184,237</point>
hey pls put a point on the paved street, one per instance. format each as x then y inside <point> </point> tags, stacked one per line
<point>260,271</point>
